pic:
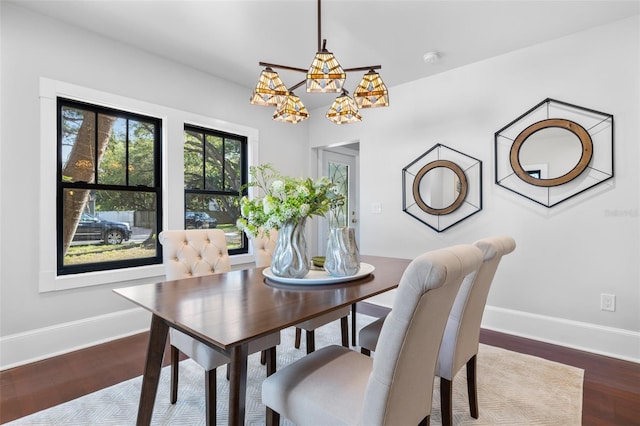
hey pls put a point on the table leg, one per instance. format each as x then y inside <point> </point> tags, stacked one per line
<point>238,384</point>
<point>152,367</point>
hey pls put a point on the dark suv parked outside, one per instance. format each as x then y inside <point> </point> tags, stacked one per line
<point>91,228</point>
<point>199,220</point>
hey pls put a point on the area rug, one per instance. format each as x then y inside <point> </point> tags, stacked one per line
<point>513,389</point>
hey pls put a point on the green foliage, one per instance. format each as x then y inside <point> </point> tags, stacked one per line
<point>193,160</point>
<point>113,169</point>
<point>285,199</point>
<point>212,167</point>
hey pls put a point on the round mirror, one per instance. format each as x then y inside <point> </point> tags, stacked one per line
<point>440,187</point>
<point>534,153</point>
<point>551,152</point>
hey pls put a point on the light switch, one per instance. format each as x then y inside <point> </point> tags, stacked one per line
<point>376,208</point>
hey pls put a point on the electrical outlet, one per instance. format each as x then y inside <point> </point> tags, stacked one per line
<point>608,302</point>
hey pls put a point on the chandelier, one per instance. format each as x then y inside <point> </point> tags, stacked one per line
<point>324,75</point>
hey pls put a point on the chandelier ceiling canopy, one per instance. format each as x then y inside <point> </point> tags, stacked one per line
<point>324,75</point>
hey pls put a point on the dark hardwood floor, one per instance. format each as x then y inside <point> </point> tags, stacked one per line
<point>611,387</point>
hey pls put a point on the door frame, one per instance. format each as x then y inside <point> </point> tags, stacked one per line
<point>350,149</point>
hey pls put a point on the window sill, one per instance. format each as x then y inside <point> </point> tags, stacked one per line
<point>238,260</point>
<point>50,282</point>
<point>141,274</point>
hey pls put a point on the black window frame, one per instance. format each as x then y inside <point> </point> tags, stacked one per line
<point>244,178</point>
<point>61,186</point>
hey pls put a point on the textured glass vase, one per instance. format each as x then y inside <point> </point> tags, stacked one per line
<point>342,257</point>
<point>290,258</point>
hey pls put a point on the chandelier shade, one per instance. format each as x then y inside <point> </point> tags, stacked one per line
<point>343,110</point>
<point>371,92</point>
<point>324,75</point>
<point>291,110</point>
<point>270,89</point>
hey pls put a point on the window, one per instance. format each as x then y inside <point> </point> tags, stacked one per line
<point>168,201</point>
<point>215,168</point>
<point>339,175</point>
<point>108,188</point>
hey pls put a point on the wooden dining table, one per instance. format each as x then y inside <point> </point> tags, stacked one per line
<point>225,311</point>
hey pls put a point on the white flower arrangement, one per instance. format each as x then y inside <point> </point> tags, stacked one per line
<point>285,199</point>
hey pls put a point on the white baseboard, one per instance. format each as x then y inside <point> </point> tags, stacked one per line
<point>23,348</point>
<point>608,341</point>
<point>35,345</point>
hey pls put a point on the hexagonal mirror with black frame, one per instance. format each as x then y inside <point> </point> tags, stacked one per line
<point>442,187</point>
<point>554,151</point>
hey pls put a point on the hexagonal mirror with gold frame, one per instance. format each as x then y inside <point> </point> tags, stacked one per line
<point>442,187</point>
<point>554,151</point>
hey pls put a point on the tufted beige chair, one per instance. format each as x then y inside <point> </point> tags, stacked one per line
<point>462,333</point>
<point>339,386</point>
<point>263,247</point>
<point>193,253</point>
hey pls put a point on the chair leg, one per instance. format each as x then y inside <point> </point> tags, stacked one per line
<point>344,331</point>
<point>311,341</point>
<point>175,357</point>
<point>270,360</point>
<point>353,324</point>
<point>425,422</point>
<point>472,388</point>
<point>365,351</point>
<point>298,337</point>
<point>210,395</point>
<point>273,418</point>
<point>446,401</point>
<point>263,357</point>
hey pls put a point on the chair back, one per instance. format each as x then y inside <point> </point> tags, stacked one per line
<point>194,252</point>
<point>263,248</point>
<point>462,333</point>
<point>400,386</point>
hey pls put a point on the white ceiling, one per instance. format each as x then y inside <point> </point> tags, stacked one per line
<point>228,38</point>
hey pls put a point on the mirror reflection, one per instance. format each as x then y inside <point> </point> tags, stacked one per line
<point>439,187</point>
<point>562,159</point>
<point>550,153</point>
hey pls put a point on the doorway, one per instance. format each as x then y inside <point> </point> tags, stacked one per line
<point>340,164</point>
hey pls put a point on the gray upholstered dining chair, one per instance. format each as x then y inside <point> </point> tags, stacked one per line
<point>192,253</point>
<point>263,247</point>
<point>462,333</point>
<point>335,385</point>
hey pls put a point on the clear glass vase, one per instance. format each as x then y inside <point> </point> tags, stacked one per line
<point>290,259</point>
<point>343,257</point>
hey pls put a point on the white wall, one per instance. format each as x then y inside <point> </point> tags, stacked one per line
<point>35,325</point>
<point>566,256</point>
